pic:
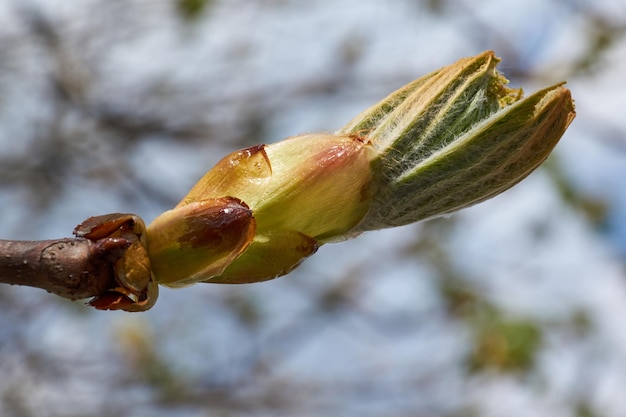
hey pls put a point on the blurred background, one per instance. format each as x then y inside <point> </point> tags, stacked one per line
<point>515,307</point>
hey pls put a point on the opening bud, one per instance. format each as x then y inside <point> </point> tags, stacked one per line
<point>456,137</point>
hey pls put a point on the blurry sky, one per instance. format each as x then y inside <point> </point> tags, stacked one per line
<point>511,308</point>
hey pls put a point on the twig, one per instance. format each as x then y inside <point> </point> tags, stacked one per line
<point>107,261</point>
<point>73,268</point>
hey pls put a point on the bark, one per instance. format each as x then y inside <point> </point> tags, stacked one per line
<point>73,268</point>
<point>107,261</point>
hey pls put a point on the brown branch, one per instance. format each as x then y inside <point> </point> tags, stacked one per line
<point>107,261</point>
<point>71,268</point>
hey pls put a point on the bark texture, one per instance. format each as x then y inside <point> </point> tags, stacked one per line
<point>107,261</point>
<point>73,268</point>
